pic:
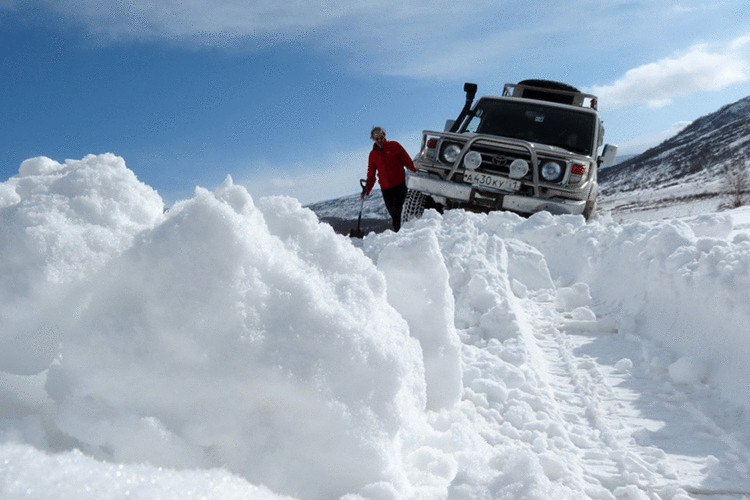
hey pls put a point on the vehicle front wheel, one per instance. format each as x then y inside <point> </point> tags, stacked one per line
<point>589,209</point>
<point>413,206</point>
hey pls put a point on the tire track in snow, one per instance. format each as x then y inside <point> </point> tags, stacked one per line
<point>624,420</point>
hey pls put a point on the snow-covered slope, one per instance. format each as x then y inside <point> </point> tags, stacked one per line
<point>238,348</point>
<point>347,207</point>
<point>684,169</point>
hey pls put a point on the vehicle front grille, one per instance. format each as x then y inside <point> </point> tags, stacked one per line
<point>498,162</point>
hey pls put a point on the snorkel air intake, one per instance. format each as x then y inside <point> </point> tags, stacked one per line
<point>471,91</point>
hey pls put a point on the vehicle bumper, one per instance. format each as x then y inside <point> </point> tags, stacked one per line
<point>524,204</point>
<point>557,206</point>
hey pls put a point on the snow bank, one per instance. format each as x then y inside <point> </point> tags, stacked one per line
<point>684,283</point>
<point>227,335</point>
<point>243,350</point>
<point>59,224</point>
<point>30,473</point>
<point>213,341</point>
<point>418,288</point>
<point>503,435</point>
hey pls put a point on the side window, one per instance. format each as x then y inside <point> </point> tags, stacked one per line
<point>473,124</point>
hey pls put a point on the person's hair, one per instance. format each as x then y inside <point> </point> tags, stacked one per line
<point>376,129</point>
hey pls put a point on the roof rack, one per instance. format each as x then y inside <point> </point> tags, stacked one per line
<point>551,91</point>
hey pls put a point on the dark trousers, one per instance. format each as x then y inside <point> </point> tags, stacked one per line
<point>394,201</point>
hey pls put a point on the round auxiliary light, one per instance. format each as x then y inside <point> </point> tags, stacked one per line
<point>451,153</point>
<point>518,168</point>
<point>472,160</point>
<point>551,171</point>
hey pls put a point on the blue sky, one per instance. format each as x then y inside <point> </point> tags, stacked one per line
<point>281,95</point>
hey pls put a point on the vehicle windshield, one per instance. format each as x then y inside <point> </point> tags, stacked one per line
<point>569,129</point>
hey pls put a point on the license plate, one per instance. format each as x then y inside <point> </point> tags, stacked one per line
<point>492,181</point>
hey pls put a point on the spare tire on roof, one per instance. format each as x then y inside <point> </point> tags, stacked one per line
<point>548,96</point>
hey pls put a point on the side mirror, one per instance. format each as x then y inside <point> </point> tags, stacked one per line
<point>449,125</point>
<point>609,153</point>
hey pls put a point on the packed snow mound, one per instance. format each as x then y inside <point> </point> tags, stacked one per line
<point>418,288</point>
<point>242,337</point>
<point>242,349</point>
<point>73,475</point>
<point>60,222</point>
<point>684,283</point>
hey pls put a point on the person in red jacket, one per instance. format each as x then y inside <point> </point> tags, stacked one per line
<point>388,159</point>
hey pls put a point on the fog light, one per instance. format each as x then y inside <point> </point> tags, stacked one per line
<point>472,160</point>
<point>518,168</point>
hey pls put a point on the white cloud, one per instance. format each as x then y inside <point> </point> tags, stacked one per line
<point>740,43</point>
<point>207,20</point>
<point>215,21</point>
<point>683,9</point>
<point>700,69</point>
<point>422,38</point>
<point>449,57</point>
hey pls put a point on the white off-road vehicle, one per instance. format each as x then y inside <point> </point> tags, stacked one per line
<point>534,148</point>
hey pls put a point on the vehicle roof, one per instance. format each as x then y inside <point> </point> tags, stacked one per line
<point>547,90</point>
<point>551,104</point>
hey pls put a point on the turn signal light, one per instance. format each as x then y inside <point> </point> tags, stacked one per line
<point>578,169</point>
<point>430,150</point>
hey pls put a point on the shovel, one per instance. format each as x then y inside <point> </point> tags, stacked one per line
<point>357,233</point>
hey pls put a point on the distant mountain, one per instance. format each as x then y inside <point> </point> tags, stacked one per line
<point>343,213</point>
<point>622,159</point>
<point>696,155</point>
<point>348,206</point>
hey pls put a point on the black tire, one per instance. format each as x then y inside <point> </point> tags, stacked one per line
<point>589,209</point>
<point>413,206</point>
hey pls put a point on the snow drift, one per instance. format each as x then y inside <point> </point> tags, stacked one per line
<point>59,224</point>
<point>240,349</point>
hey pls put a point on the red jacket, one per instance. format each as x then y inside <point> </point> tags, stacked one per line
<point>389,163</point>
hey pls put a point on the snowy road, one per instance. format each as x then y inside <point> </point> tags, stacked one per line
<point>634,430</point>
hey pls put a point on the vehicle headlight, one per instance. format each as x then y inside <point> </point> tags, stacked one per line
<point>451,152</point>
<point>551,171</point>
<point>518,168</point>
<point>472,160</point>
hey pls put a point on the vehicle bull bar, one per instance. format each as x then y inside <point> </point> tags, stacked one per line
<point>465,193</point>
